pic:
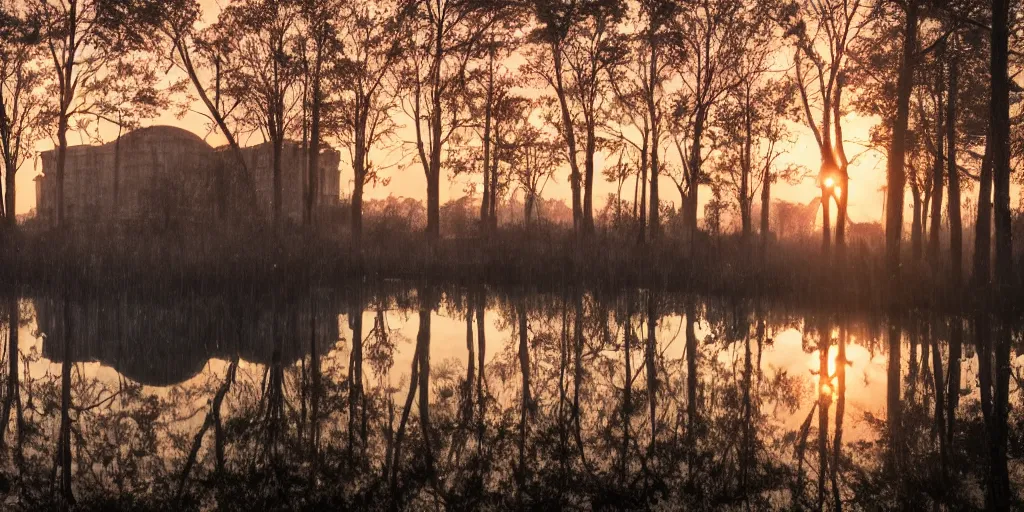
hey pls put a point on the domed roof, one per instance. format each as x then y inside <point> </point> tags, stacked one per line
<point>166,135</point>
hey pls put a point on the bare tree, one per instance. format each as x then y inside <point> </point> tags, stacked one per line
<point>259,34</point>
<point>82,37</point>
<point>535,157</point>
<point>203,58</point>
<point>443,35</point>
<point>578,44</point>
<point>370,52</point>
<point>895,170</point>
<point>317,41</point>
<point>822,33</point>
<point>713,36</point>
<point>20,101</point>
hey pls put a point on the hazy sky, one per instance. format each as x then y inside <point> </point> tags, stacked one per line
<point>867,172</point>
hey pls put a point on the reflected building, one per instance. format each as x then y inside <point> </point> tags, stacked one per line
<point>164,174</point>
<point>162,344</point>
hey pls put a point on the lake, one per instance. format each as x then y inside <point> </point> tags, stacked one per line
<point>432,397</point>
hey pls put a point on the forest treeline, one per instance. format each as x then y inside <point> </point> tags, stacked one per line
<point>525,95</point>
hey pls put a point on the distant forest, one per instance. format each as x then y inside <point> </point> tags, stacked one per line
<point>525,95</point>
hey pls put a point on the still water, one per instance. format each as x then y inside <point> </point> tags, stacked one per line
<point>435,398</point>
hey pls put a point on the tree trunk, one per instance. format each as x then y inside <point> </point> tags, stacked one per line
<point>588,179</point>
<point>895,175</point>
<point>940,401</point>
<point>894,405</point>
<point>956,338</point>
<point>115,205</point>
<point>485,202</point>
<point>493,202</point>
<point>10,197</point>
<point>313,192</point>
<point>766,200</point>
<point>67,497</point>
<point>355,374</point>
<point>525,401</point>
<point>642,179</point>
<point>13,398</point>
<point>915,226</point>
<point>524,356</point>
<point>434,202</point>
<point>694,168</point>
<point>434,166</point>
<point>999,494</point>
<point>746,165</point>
<point>652,112</point>
<point>953,205</point>
<point>528,209</point>
<point>568,131</point>
<point>824,404</point>
<point>627,388</point>
<point>481,307</point>
<point>423,341</point>
<point>982,271</point>
<point>842,174</point>
<point>826,224</point>
<point>837,444</point>
<point>62,150</point>
<point>691,371</point>
<point>935,229</point>
<point>650,362</point>
<point>66,91</point>
<point>278,149</point>
<point>359,165</point>
<point>1001,142</point>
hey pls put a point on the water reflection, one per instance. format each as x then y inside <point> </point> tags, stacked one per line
<point>445,398</point>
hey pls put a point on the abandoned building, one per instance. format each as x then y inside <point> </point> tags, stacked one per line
<point>164,174</point>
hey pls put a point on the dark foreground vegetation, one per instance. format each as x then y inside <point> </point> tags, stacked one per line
<point>548,256</point>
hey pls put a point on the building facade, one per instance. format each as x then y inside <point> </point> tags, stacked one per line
<point>164,174</point>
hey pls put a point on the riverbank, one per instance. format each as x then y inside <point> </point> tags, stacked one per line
<point>547,259</point>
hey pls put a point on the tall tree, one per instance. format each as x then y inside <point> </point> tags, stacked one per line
<point>370,50</point>
<point>318,42</point>
<point>713,37</point>
<point>20,101</point>
<point>535,157</point>
<point>823,33</point>
<point>82,37</point>
<point>933,130</point>
<point>259,36</point>
<point>895,173</point>
<point>504,114</point>
<point>657,17</point>
<point>197,51</point>
<point>491,99</point>
<point>442,37</point>
<point>1000,145</point>
<point>952,169</point>
<point>578,43</point>
<point>753,125</point>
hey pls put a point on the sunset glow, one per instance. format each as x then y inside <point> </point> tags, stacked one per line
<point>510,255</point>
